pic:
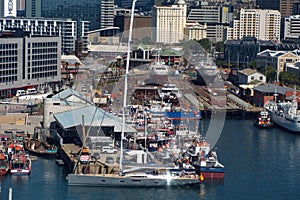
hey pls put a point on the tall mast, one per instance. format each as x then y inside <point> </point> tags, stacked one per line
<point>125,84</point>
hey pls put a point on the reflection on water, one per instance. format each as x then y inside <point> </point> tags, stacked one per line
<point>259,164</point>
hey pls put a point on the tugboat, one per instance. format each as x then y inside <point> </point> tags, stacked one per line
<point>204,160</point>
<point>264,120</point>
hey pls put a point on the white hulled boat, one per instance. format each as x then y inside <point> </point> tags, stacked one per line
<point>285,114</point>
<point>137,175</point>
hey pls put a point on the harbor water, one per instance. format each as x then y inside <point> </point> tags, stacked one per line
<point>259,164</point>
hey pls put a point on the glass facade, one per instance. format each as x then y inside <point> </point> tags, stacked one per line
<point>8,62</point>
<point>88,10</point>
<point>28,61</point>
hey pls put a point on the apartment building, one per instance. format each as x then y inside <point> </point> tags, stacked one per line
<point>262,24</point>
<point>169,23</point>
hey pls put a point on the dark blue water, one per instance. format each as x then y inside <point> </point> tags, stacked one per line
<point>259,164</point>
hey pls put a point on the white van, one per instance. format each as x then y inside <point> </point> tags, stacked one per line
<point>20,93</point>
<point>31,91</point>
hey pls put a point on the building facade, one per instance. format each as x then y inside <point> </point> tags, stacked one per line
<point>262,24</point>
<point>28,61</point>
<point>216,18</point>
<point>169,23</point>
<point>195,31</point>
<point>291,27</point>
<point>286,7</point>
<point>97,12</point>
<point>241,52</point>
<point>277,59</point>
<point>107,13</point>
<point>64,28</point>
<point>33,8</point>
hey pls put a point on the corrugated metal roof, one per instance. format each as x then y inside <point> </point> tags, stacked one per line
<point>63,95</point>
<point>93,116</point>
<point>270,88</point>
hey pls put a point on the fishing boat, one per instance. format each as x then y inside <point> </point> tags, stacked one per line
<point>204,160</point>
<point>264,120</point>
<point>39,148</point>
<point>20,164</point>
<point>285,114</point>
<point>159,71</point>
<point>136,175</point>
<point>4,163</point>
<point>169,90</point>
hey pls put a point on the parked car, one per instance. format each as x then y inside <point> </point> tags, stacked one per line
<point>109,149</point>
<point>5,101</point>
<point>96,155</point>
<point>109,160</point>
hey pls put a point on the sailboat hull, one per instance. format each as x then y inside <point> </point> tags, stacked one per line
<point>110,180</point>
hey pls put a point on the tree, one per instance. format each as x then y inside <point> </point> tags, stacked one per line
<point>288,78</point>
<point>205,43</point>
<point>269,72</point>
<point>219,46</point>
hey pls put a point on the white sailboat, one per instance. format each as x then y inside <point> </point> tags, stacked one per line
<point>136,175</point>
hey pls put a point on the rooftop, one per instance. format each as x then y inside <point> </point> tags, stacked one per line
<point>93,116</point>
<point>271,88</point>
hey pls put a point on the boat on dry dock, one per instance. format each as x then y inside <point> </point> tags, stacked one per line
<point>126,174</point>
<point>39,148</point>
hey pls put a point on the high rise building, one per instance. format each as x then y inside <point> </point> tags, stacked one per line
<point>262,24</point>
<point>64,28</point>
<point>216,19</point>
<point>268,4</point>
<point>140,5</point>
<point>33,8</point>
<point>169,23</point>
<point>98,12</point>
<point>284,6</point>
<point>291,27</point>
<point>8,8</point>
<point>107,13</point>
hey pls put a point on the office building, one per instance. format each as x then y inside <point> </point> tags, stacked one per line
<point>285,7</point>
<point>140,5</point>
<point>28,61</point>
<point>64,28</point>
<point>107,13</point>
<point>291,27</point>
<point>99,13</point>
<point>216,18</point>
